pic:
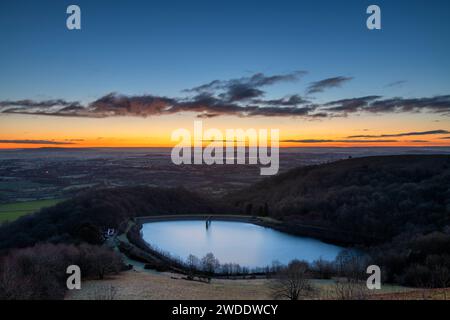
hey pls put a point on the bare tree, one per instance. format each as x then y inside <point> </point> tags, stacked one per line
<point>210,263</point>
<point>438,266</point>
<point>13,284</point>
<point>350,283</point>
<point>39,272</point>
<point>350,289</point>
<point>351,264</point>
<point>193,264</point>
<point>276,266</point>
<point>227,269</point>
<point>441,275</point>
<point>103,261</point>
<point>292,282</point>
<point>323,269</point>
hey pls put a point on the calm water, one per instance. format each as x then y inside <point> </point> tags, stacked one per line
<point>238,242</point>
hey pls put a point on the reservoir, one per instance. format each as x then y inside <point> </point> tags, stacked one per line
<point>244,243</point>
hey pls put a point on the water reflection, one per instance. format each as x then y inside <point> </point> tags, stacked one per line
<point>238,242</point>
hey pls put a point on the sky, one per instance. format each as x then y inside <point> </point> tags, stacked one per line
<point>137,70</point>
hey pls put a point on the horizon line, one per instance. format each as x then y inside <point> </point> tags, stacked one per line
<point>165,147</point>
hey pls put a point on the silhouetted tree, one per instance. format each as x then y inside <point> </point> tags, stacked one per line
<point>292,282</point>
<point>210,263</point>
<point>193,264</point>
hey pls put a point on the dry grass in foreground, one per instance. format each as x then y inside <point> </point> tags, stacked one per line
<point>132,285</point>
<point>149,285</point>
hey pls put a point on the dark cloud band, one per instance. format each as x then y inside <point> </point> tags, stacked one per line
<point>403,134</point>
<point>48,142</point>
<point>338,141</point>
<point>208,106</point>
<point>322,85</point>
<point>243,97</point>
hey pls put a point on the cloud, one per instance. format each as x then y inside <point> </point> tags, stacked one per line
<point>243,89</point>
<point>375,104</point>
<point>49,142</point>
<point>293,100</point>
<point>208,105</point>
<point>445,138</point>
<point>418,141</point>
<point>255,81</point>
<point>242,97</point>
<point>74,140</point>
<point>351,105</point>
<point>52,107</point>
<point>434,104</point>
<point>57,107</point>
<point>404,134</point>
<point>240,92</point>
<point>396,83</point>
<point>322,85</point>
<point>121,105</point>
<point>205,105</point>
<point>318,115</point>
<point>340,141</point>
<point>41,104</point>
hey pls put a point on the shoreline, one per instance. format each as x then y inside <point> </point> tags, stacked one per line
<point>136,248</point>
<point>217,217</point>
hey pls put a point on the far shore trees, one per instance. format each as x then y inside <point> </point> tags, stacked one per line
<point>193,264</point>
<point>210,263</point>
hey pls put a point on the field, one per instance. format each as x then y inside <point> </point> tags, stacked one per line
<point>151,285</point>
<point>143,285</point>
<point>12,211</point>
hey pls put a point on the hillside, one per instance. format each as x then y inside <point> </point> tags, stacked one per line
<point>396,208</point>
<point>381,196</point>
<point>83,218</point>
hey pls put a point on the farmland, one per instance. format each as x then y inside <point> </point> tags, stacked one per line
<point>12,211</point>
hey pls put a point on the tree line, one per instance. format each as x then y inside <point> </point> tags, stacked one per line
<point>397,208</point>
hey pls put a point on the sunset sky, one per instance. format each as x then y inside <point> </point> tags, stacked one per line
<point>137,70</point>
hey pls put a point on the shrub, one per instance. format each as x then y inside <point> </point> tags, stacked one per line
<point>40,272</point>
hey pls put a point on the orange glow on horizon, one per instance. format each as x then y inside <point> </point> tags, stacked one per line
<point>155,132</point>
<point>169,144</point>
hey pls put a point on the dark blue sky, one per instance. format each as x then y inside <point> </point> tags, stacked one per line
<point>163,47</point>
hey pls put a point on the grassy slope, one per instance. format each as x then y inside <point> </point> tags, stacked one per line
<point>12,211</point>
<point>147,285</point>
